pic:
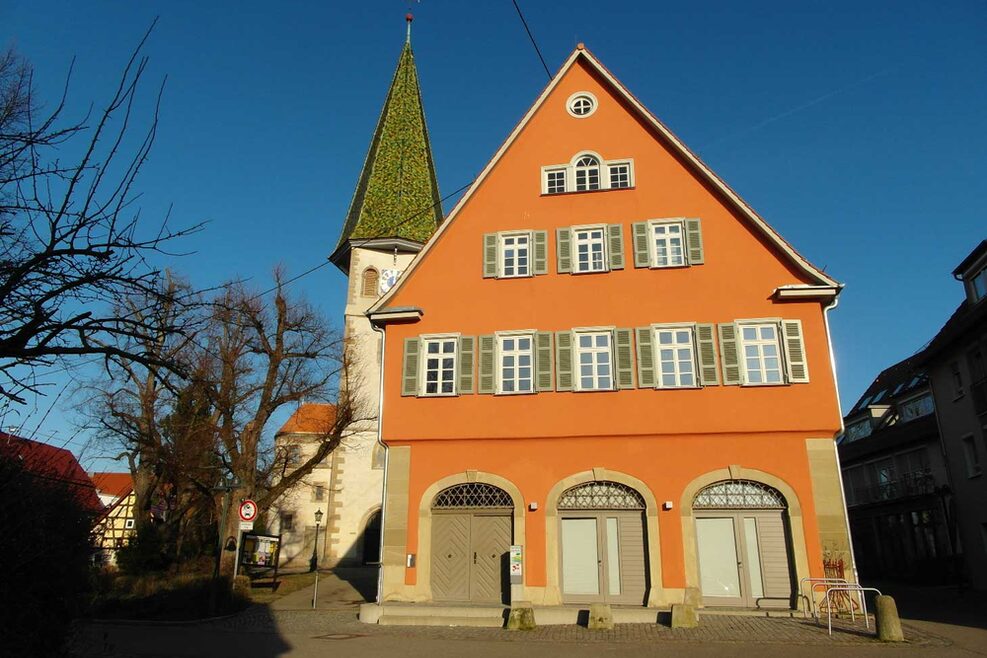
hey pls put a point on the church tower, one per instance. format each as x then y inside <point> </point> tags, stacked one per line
<point>396,207</point>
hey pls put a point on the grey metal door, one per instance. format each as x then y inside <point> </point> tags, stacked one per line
<point>603,557</point>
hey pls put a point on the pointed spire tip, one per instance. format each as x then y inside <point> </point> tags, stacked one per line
<point>408,18</point>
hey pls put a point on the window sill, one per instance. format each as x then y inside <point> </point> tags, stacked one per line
<point>501,277</point>
<point>593,390</point>
<point>437,395</point>
<point>669,267</point>
<point>971,476</point>
<point>677,388</point>
<point>572,192</point>
<point>764,385</point>
<point>959,396</point>
<point>603,271</point>
<point>513,393</point>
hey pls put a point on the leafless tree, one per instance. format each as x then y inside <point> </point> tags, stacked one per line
<point>73,245</point>
<point>268,355</point>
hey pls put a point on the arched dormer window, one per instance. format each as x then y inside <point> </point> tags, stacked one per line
<point>371,279</point>
<point>587,173</point>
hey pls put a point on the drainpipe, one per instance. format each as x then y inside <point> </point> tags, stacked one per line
<point>836,451</point>
<point>387,459</point>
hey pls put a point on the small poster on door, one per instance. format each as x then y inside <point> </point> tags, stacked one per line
<point>515,562</point>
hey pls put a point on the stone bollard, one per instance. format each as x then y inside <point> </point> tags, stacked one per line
<point>887,621</point>
<point>600,617</point>
<point>521,619</point>
<point>684,616</point>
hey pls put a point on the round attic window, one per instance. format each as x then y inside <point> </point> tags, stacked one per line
<point>581,104</point>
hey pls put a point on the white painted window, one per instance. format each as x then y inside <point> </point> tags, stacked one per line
<point>318,493</point>
<point>620,174</point>
<point>979,284</point>
<point>760,354</point>
<point>676,354</point>
<point>587,174</point>
<point>514,254</point>
<point>128,524</point>
<point>555,181</point>
<point>516,356</point>
<point>858,430</point>
<point>591,249</point>
<point>594,359</point>
<point>439,367</point>
<point>912,409</point>
<point>293,455</point>
<point>668,244</point>
<point>973,467</point>
<point>581,104</point>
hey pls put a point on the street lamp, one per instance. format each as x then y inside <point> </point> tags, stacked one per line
<point>315,556</point>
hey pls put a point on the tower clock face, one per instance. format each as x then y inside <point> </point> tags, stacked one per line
<point>387,279</point>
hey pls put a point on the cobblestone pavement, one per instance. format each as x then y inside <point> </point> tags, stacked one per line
<point>261,626</point>
<point>712,628</point>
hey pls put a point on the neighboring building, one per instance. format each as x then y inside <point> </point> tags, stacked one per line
<point>395,208</point>
<point>895,478</point>
<point>117,524</point>
<point>956,361</point>
<point>605,356</point>
<point>48,463</point>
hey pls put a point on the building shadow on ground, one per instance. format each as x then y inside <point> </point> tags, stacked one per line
<point>361,578</point>
<point>946,604</point>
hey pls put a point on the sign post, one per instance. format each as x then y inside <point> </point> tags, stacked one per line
<point>516,572</point>
<point>248,512</point>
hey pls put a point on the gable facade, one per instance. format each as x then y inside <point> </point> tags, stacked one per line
<point>600,352</point>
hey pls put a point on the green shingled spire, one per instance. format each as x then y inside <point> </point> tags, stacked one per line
<point>397,195</point>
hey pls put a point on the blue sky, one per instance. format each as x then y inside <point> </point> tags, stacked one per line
<point>858,130</point>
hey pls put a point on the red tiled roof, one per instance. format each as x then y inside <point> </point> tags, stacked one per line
<point>310,418</point>
<point>53,464</point>
<point>114,484</point>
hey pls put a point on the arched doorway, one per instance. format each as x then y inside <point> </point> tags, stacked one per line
<point>744,550</point>
<point>371,539</point>
<point>602,545</point>
<point>472,529</point>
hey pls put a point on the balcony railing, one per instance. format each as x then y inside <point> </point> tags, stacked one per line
<point>916,483</point>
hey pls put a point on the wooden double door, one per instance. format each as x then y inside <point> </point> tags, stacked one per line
<point>603,557</point>
<point>744,558</point>
<point>469,556</point>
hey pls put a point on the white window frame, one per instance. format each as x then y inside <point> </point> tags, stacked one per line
<point>128,524</point>
<point>604,241</point>
<point>581,94</point>
<point>577,360</point>
<point>501,254</point>
<point>423,366</point>
<point>499,359</point>
<point>611,166</point>
<point>742,352</point>
<point>546,171</point>
<point>653,243</point>
<point>569,173</point>
<point>971,456</point>
<point>979,278</point>
<point>693,347</point>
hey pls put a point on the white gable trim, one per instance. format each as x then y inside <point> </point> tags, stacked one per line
<point>691,157</point>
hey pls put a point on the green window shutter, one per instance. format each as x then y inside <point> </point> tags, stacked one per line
<point>798,369</point>
<point>709,371</point>
<point>694,241</point>
<point>615,232</point>
<point>486,383</point>
<point>729,354</point>
<point>409,380</point>
<point>563,361</point>
<point>642,253</point>
<point>539,240</point>
<point>466,364</point>
<point>544,379</point>
<point>489,255</point>
<point>563,249</point>
<point>624,357</point>
<point>645,358</point>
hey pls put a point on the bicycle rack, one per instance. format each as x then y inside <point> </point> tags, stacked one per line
<point>863,602</point>
<point>814,585</point>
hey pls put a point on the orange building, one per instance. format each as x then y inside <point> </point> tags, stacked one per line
<point>605,356</point>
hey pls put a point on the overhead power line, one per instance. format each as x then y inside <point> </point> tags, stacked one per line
<point>532,38</point>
